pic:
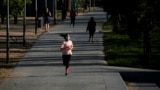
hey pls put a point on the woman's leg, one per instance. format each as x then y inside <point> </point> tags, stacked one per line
<point>92,34</point>
<point>73,22</point>
<point>67,64</point>
<point>45,24</point>
<point>89,36</point>
<point>48,27</point>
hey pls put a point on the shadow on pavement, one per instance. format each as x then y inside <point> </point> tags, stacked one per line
<point>142,76</point>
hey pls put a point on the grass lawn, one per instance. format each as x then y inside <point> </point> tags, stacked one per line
<point>120,50</point>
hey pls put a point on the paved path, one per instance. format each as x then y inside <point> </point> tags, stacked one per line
<point>42,69</point>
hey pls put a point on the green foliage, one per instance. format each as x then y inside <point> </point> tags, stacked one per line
<point>16,6</point>
<point>120,50</point>
<point>59,13</point>
<point>107,26</point>
<point>136,14</point>
<point>155,48</point>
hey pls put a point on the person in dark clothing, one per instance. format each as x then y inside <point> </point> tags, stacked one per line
<point>47,16</point>
<point>72,16</point>
<point>91,27</point>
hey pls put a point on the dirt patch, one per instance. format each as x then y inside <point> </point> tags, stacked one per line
<point>17,50</point>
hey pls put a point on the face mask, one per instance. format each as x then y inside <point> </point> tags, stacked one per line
<point>68,37</point>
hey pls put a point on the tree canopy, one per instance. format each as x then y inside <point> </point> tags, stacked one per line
<point>138,17</point>
<point>133,13</point>
<point>15,6</point>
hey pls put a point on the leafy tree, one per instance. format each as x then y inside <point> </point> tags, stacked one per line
<point>116,9</point>
<point>3,11</point>
<point>16,7</point>
<point>139,16</point>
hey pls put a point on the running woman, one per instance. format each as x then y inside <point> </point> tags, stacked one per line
<point>66,48</point>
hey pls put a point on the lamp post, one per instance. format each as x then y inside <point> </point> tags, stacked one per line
<point>54,11</point>
<point>24,23</point>
<point>36,17</point>
<point>89,4</point>
<point>45,3</point>
<point>93,4</point>
<point>70,4</point>
<point>7,34</point>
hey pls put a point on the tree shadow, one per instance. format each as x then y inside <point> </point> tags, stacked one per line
<point>145,77</point>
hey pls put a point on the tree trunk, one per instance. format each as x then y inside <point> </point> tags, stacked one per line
<point>147,46</point>
<point>2,19</point>
<point>115,20</point>
<point>15,19</point>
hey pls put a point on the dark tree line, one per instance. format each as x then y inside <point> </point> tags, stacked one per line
<point>16,7</point>
<point>138,17</point>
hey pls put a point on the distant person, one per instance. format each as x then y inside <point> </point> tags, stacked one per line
<point>91,27</point>
<point>66,48</point>
<point>47,16</point>
<point>72,16</point>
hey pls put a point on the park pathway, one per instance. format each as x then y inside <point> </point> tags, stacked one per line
<point>42,69</point>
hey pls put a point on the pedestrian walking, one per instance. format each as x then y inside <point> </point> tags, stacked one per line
<point>47,16</point>
<point>91,27</point>
<point>72,16</point>
<point>66,48</point>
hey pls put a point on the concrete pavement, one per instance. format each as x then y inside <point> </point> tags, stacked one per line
<point>42,69</point>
